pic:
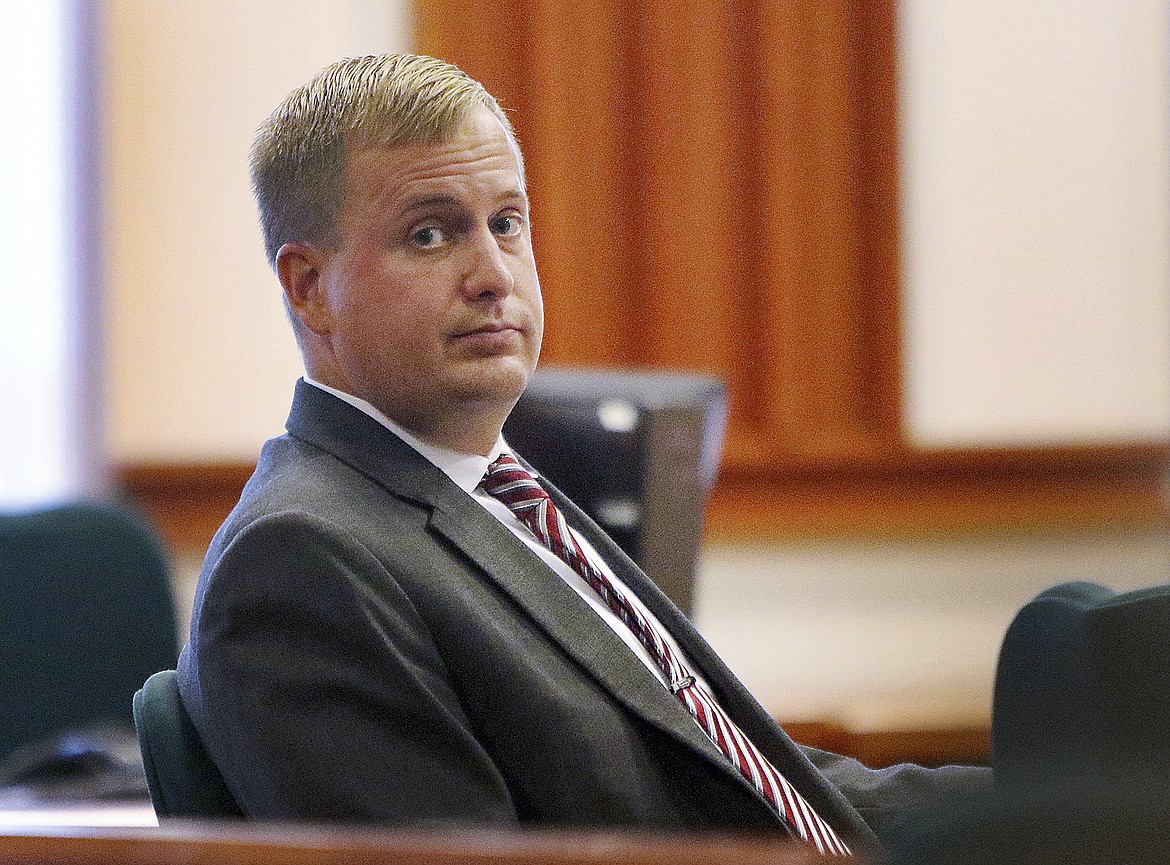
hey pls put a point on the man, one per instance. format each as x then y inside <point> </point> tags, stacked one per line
<point>382,633</point>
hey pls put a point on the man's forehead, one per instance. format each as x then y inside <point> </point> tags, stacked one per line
<point>478,130</point>
<point>475,162</point>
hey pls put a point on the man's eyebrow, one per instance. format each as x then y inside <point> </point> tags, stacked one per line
<point>428,201</point>
<point>440,200</point>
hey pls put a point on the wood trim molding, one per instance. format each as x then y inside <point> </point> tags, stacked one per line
<point>907,493</point>
<point>186,502</point>
<point>947,491</point>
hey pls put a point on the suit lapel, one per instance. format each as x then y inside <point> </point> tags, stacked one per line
<point>360,441</point>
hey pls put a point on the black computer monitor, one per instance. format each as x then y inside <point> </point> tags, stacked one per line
<point>638,451</point>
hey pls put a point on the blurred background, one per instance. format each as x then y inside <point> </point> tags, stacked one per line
<point>926,244</point>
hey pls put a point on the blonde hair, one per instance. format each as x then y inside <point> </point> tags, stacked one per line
<point>298,158</point>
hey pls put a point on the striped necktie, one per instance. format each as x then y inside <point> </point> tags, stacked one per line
<point>509,482</point>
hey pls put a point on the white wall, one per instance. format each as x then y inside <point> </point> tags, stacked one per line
<point>1036,180</point>
<point>200,359</point>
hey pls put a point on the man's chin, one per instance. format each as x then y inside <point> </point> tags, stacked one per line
<point>498,380</point>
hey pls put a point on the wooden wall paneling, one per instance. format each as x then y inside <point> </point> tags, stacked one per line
<point>585,206</point>
<point>748,385</point>
<point>787,188</point>
<point>488,39</point>
<point>970,746</point>
<point>948,492</point>
<point>871,56</point>
<point>1123,487</point>
<point>815,312</point>
<point>696,205</point>
<point>692,221</point>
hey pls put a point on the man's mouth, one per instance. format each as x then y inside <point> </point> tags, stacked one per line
<point>491,339</point>
<point>489,328</point>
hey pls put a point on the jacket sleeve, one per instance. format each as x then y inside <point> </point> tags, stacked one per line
<point>888,797</point>
<point>319,692</point>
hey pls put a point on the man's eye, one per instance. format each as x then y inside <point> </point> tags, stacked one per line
<point>507,225</point>
<point>428,237</point>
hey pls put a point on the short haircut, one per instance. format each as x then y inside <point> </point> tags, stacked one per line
<point>299,156</point>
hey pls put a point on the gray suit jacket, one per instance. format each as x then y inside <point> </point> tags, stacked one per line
<point>370,645</point>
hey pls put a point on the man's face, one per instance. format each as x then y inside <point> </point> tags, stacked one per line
<point>433,306</point>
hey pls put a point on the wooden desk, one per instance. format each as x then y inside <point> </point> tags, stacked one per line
<point>201,843</point>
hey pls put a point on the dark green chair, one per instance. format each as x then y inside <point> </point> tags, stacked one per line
<point>1083,689</point>
<point>183,781</point>
<point>1080,741</point>
<point>86,613</point>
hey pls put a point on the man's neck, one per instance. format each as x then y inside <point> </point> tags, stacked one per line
<point>461,438</point>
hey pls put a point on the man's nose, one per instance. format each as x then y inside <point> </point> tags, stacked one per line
<point>488,275</point>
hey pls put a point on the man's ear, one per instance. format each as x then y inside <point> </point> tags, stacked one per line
<point>299,268</point>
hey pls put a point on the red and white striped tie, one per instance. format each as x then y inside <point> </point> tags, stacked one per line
<point>509,482</point>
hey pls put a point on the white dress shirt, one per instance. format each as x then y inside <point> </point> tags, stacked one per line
<point>467,470</point>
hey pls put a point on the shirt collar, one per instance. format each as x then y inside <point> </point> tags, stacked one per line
<point>466,470</point>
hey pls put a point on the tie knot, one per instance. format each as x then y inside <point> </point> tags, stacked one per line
<point>510,482</point>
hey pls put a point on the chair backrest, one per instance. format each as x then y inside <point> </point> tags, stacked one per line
<point>1083,688</point>
<point>86,613</point>
<point>182,779</point>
